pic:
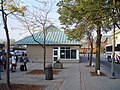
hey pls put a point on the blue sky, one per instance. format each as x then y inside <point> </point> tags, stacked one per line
<point>17,34</point>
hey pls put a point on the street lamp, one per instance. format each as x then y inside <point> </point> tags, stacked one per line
<point>113,55</point>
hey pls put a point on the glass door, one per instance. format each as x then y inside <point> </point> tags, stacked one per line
<point>55,54</point>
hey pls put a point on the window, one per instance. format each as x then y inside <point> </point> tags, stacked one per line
<point>62,54</point>
<point>109,48</point>
<point>55,58</point>
<point>62,47</point>
<point>67,53</point>
<point>73,54</point>
<point>55,47</point>
<point>67,47</point>
<point>55,52</point>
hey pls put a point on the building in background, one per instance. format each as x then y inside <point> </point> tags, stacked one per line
<point>57,46</point>
<point>117,37</point>
<point>105,40</point>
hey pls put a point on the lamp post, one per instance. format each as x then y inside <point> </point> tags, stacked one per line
<point>113,55</point>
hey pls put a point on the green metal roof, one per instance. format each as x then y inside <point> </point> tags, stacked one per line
<point>52,38</point>
<point>52,28</point>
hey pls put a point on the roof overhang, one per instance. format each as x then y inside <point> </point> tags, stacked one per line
<point>54,44</point>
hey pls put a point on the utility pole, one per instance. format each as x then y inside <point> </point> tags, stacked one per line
<point>113,55</point>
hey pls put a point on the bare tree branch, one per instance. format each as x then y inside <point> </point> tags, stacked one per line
<point>27,25</point>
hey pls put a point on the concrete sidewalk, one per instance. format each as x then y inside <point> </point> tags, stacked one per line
<point>74,76</point>
<point>19,77</point>
<point>71,77</point>
<point>89,82</point>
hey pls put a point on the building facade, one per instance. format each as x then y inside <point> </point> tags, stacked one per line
<point>58,47</point>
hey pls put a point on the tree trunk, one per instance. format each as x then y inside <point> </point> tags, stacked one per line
<point>88,53</point>
<point>8,56</point>
<point>97,66</point>
<point>44,57</point>
<point>44,49</point>
<point>84,51</point>
<point>91,53</point>
<point>4,17</point>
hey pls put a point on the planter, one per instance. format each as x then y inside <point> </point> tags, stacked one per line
<point>58,65</point>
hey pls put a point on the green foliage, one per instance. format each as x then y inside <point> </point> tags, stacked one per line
<point>80,16</point>
<point>57,61</point>
<point>13,6</point>
<point>96,12</point>
<point>76,33</point>
<point>9,7</point>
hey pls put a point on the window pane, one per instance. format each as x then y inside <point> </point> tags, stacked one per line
<point>62,53</point>
<point>67,54</point>
<point>55,47</point>
<point>118,46</point>
<point>55,53</point>
<point>67,47</point>
<point>55,58</point>
<point>62,47</point>
<point>73,54</point>
<point>109,48</point>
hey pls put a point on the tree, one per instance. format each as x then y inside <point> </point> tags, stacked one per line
<point>98,13</point>
<point>37,20</point>
<point>113,7</point>
<point>90,40</point>
<point>84,31</point>
<point>9,7</point>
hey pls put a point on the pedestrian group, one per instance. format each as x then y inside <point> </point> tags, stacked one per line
<point>12,62</point>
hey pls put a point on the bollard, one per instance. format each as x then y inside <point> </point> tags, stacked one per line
<point>49,72</point>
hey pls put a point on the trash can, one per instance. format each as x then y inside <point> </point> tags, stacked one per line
<point>49,72</point>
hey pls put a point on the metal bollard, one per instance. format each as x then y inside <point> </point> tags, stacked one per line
<point>49,72</point>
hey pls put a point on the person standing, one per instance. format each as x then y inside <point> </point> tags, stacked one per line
<point>25,60</point>
<point>16,58</point>
<point>2,62</point>
<point>5,60</point>
<point>0,66</point>
<point>13,67</point>
<point>10,63</point>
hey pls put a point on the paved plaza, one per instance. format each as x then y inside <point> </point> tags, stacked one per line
<point>74,76</point>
